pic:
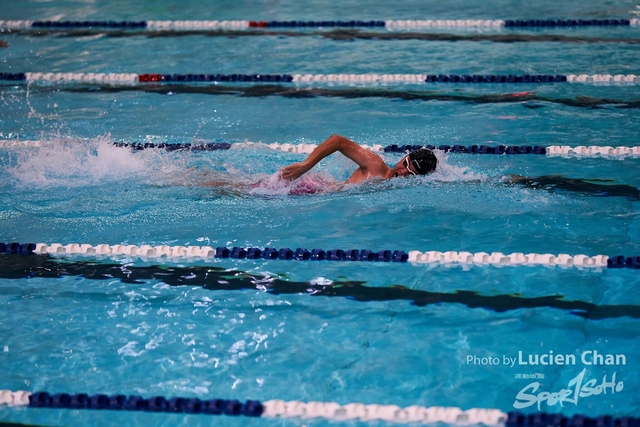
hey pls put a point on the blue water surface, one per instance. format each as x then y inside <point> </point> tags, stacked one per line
<point>384,333</point>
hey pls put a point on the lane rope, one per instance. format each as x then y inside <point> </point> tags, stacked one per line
<point>388,24</point>
<point>134,79</point>
<point>254,408</point>
<point>305,410</point>
<point>448,258</point>
<point>565,151</point>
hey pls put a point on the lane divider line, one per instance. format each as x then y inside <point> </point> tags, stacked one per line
<point>134,79</point>
<point>496,259</point>
<point>605,152</point>
<point>306,410</point>
<point>388,24</point>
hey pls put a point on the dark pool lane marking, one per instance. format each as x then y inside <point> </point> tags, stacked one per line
<point>10,424</point>
<point>14,266</point>
<point>591,187</point>
<point>265,90</point>
<point>337,35</point>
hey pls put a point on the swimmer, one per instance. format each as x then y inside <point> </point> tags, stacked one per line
<point>423,161</point>
<point>299,181</point>
<point>290,179</point>
<point>370,165</point>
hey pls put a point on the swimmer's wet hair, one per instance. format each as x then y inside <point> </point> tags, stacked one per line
<point>423,161</point>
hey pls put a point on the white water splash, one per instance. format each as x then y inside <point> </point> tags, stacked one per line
<point>67,162</point>
<point>446,172</point>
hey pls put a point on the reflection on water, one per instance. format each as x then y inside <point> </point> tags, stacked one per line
<point>216,278</point>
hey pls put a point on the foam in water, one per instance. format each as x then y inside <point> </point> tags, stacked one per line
<point>446,172</point>
<point>66,162</point>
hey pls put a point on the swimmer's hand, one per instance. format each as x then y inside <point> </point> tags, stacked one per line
<point>293,171</point>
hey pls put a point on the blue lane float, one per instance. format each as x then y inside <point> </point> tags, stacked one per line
<point>302,254</point>
<point>250,408</point>
<point>540,419</point>
<point>13,76</point>
<point>471,149</point>
<point>252,78</point>
<point>495,78</point>
<point>17,248</point>
<point>621,261</point>
<point>317,24</point>
<point>521,23</point>
<point>89,24</point>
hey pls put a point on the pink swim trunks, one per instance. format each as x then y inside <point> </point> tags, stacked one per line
<point>307,184</point>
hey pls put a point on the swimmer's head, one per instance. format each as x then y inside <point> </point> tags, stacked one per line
<point>419,162</point>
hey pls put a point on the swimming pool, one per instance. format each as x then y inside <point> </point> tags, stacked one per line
<point>387,333</point>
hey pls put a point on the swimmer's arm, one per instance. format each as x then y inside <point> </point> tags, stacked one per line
<point>363,158</point>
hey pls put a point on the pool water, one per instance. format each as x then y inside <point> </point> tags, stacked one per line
<point>384,333</point>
